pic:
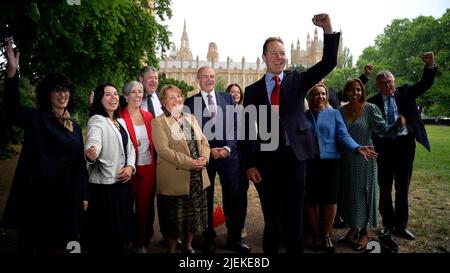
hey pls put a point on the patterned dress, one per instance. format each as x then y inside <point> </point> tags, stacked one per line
<point>358,175</point>
<point>179,215</point>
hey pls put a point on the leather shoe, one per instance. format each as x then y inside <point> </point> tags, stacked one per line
<point>387,242</point>
<point>239,247</point>
<point>403,232</point>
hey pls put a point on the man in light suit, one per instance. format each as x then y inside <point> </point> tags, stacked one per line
<point>279,174</point>
<point>396,156</point>
<point>215,113</point>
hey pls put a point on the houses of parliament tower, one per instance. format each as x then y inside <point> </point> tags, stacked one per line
<point>181,65</point>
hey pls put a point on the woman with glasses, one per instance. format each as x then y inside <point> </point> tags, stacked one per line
<point>49,191</point>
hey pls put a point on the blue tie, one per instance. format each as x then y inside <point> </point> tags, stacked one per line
<point>391,112</point>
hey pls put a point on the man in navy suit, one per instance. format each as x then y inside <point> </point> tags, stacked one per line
<point>396,156</point>
<point>216,114</point>
<point>278,171</point>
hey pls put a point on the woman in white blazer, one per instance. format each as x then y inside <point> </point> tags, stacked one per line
<point>183,152</point>
<point>111,162</point>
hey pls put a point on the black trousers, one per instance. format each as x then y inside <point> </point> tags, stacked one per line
<point>395,164</point>
<point>228,171</point>
<point>281,192</point>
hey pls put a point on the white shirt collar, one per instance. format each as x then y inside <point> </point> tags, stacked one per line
<point>205,96</point>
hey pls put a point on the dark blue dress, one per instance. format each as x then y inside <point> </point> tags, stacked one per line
<point>45,203</point>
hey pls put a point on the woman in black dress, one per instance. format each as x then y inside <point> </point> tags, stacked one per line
<point>49,191</point>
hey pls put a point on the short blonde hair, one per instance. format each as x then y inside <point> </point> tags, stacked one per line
<point>309,94</point>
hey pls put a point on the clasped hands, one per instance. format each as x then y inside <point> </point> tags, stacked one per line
<point>218,153</point>
<point>199,163</point>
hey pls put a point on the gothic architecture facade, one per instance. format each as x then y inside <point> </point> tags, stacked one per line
<point>313,51</point>
<point>181,65</point>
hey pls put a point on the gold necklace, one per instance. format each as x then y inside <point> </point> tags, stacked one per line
<point>116,123</point>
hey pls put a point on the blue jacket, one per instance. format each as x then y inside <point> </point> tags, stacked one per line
<point>330,128</point>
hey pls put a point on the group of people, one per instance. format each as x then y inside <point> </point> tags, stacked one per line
<point>147,145</point>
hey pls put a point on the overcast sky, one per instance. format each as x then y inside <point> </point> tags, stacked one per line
<point>239,27</point>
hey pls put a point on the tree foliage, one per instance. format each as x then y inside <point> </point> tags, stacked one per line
<point>399,50</point>
<point>94,42</point>
<point>184,87</point>
<point>338,77</point>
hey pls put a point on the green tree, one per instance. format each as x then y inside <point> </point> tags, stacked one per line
<point>399,50</point>
<point>94,42</point>
<point>184,87</point>
<point>220,84</point>
<point>339,76</point>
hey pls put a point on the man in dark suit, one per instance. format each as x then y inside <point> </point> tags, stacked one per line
<point>215,113</point>
<point>396,156</point>
<point>275,161</point>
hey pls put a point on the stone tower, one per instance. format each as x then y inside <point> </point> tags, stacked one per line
<point>184,53</point>
<point>213,54</point>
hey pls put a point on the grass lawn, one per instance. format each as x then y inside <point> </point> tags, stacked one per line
<point>430,194</point>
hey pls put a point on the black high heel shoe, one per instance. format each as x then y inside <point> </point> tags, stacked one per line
<point>328,246</point>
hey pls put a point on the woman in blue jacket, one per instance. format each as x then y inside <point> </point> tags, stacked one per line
<point>322,173</point>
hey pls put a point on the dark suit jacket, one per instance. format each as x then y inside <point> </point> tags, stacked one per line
<point>405,98</point>
<point>51,178</point>
<point>293,89</point>
<point>228,120</point>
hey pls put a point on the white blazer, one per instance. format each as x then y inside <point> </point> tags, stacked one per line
<point>107,140</point>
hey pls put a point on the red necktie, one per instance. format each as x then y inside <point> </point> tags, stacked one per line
<point>275,97</point>
<point>275,101</point>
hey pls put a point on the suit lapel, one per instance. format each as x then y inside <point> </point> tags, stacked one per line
<point>263,93</point>
<point>116,132</point>
<point>380,103</point>
<point>176,132</point>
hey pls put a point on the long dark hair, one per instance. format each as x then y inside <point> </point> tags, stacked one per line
<point>349,83</point>
<point>228,90</point>
<point>53,81</point>
<point>97,107</point>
